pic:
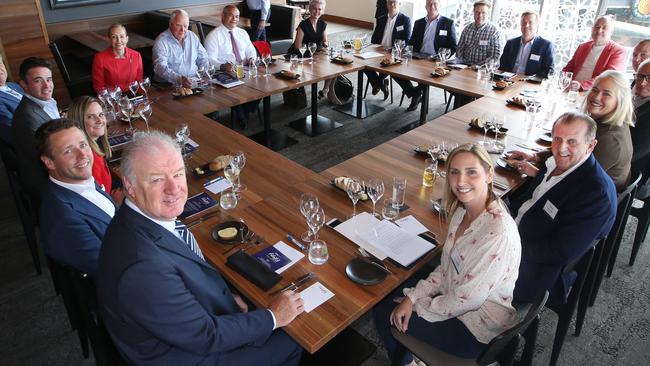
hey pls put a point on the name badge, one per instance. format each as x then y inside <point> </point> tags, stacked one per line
<point>482,43</point>
<point>550,209</point>
<point>456,260</point>
<point>534,57</point>
<point>443,32</point>
<point>399,28</point>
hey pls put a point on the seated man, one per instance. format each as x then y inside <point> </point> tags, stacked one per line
<point>177,52</point>
<point>640,53</point>
<point>36,108</point>
<point>528,54</point>
<point>429,35</point>
<point>569,203</point>
<point>597,55</point>
<point>389,28</point>
<point>228,45</point>
<point>10,95</point>
<point>75,212</point>
<point>162,302</point>
<point>641,130</point>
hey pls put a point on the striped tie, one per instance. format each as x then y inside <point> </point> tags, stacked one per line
<point>188,238</point>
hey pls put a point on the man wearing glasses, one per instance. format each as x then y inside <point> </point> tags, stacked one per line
<point>641,130</point>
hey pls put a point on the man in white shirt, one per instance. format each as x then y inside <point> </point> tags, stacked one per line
<point>74,212</point>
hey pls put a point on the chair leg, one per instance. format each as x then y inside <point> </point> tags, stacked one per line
<point>589,287</point>
<point>530,335</point>
<point>563,322</point>
<point>643,214</point>
<point>365,92</point>
<point>444,95</point>
<point>391,91</point>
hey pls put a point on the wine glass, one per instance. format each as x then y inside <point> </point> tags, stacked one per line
<point>126,108</point>
<point>111,117</point>
<point>443,55</point>
<point>308,204</point>
<point>182,132</point>
<point>239,159</point>
<point>315,221</point>
<point>133,87</point>
<point>312,49</point>
<point>375,188</point>
<point>566,79</point>
<point>487,125</point>
<point>399,45</point>
<point>302,50</point>
<point>498,122</point>
<point>267,60</point>
<point>144,85</point>
<point>231,172</point>
<point>104,95</point>
<point>145,112</point>
<point>354,189</point>
<point>115,95</point>
<point>443,151</point>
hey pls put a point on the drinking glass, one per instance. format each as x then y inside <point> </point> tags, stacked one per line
<point>443,150</point>
<point>429,174</point>
<point>388,211</point>
<point>354,190</point>
<point>145,112</point>
<point>315,221</point>
<point>133,87</point>
<point>111,117</point>
<point>318,253</point>
<point>126,108</point>
<point>231,172</point>
<point>499,121</point>
<point>399,191</point>
<point>312,49</point>
<point>443,55</point>
<point>144,85</point>
<point>531,111</point>
<point>239,70</point>
<point>228,200</point>
<point>104,96</point>
<point>293,59</point>
<point>182,133</point>
<point>115,95</point>
<point>487,125</point>
<point>375,188</point>
<point>239,159</point>
<point>565,78</point>
<point>572,95</point>
<point>308,204</point>
<point>302,50</point>
<point>267,60</point>
<point>399,46</point>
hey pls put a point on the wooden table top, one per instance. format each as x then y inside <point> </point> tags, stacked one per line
<point>98,42</point>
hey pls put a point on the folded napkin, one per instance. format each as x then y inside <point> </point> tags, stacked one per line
<point>342,184</point>
<point>253,270</point>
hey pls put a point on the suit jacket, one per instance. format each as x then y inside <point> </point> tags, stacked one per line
<point>449,41</point>
<point>586,207</point>
<point>613,57</point>
<point>28,117</point>
<point>162,304</point>
<point>8,105</point>
<point>541,47</point>
<point>402,21</point>
<point>381,9</point>
<point>72,227</point>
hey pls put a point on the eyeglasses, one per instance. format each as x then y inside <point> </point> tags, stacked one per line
<point>640,77</point>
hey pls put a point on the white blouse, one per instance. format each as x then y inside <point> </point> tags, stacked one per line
<point>480,293</point>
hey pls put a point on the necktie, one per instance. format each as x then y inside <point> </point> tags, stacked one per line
<point>235,50</point>
<point>188,238</point>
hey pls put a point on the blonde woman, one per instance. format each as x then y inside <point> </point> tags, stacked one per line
<point>467,300</point>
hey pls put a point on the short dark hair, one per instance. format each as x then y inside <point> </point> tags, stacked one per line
<point>42,135</point>
<point>30,63</point>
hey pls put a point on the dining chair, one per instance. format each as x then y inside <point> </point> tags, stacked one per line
<point>76,75</point>
<point>501,349</point>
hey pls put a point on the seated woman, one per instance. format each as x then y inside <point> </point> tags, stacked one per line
<point>467,300</point>
<point>88,112</point>
<point>117,65</point>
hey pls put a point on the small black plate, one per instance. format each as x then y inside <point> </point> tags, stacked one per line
<point>396,62</point>
<point>501,162</point>
<point>346,192</point>
<point>195,91</point>
<point>534,79</point>
<point>364,273</point>
<point>340,60</point>
<point>240,226</point>
<point>284,75</point>
<point>206,171</point>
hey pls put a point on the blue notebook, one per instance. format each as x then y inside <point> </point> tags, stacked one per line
<point>117,140</point>
<point>272,258</point>
<point>196,204</point>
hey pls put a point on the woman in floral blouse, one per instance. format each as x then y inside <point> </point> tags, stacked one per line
<point>466,301</point>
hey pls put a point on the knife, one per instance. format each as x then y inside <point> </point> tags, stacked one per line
<point>191,224</point>
<point>375,264</point>
<point>295,284</point>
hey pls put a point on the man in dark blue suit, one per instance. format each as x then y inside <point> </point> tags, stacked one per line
<point>430,34</point>
<point>74,212</point>
<point>10,96</point>
<point>529,53</point>
<point>568,204</point>
<point>162,302</point>
<point>389,28</point>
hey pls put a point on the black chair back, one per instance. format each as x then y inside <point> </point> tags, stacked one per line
<point>77,75</point>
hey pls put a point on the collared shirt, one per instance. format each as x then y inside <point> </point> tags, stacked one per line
<point>9,91</point>
<point>546,184</point>
<point>387,40</point>
<point>171,59</point>
<point>219,45</point>
<point>49,106</point>
<point>263,5</point>
<point>522,57</point>
<point>429,39</point>
<point>88,191</point>
<point>587,68</point>
<point>478,44</point>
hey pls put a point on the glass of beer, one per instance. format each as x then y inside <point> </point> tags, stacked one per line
<point>429,175</point>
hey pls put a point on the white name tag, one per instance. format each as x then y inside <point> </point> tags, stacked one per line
<point>550,209</point>
<point>443,32</point>
<point>534,57</point>
<point>400,28</point>
<point>456,260</point>
<point>482,43</point>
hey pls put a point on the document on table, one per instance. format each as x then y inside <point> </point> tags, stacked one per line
<point>412,225</point>
<point>315,295</point>
<point>369,54</point>
<point>217,185</point>
<point>398,244</point>
<point>291,253</point>
<point>361,223</point>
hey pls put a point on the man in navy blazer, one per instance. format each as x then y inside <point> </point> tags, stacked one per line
<point>529,53</point>
<point>570,203</point>
<point>10,96</point>
<point>161,301</point>
<point>389,27</point>
<point>74,212</point>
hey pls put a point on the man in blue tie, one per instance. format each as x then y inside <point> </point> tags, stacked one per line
<point>10,96</point>
<point>162,302</point>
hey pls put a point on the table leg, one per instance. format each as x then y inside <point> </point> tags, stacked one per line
<point>274,140</point>
<point>314,125</point>
<point>359,108</point>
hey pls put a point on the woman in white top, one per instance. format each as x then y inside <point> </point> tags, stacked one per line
<point>466,301</point>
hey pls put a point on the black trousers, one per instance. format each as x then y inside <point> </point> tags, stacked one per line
<point>408,88</point>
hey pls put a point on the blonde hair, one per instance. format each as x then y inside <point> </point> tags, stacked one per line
<point>77,112</point>
<point>623,113</point>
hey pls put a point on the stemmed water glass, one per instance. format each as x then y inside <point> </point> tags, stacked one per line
<point>487,120</point>
<point>114,96</point>
<point>312,49</point>
<point>266,60</point>
<point>238,159</point>
<point>354,189</point>
<point>133,87</point>
<point>182,133</point>
<point>144,85</point>
<point>499,121</point>
<point>126,107</point>
<point>399,45</point>
<point>308,204</point>
<point>565,79</point>
<point>375,188</point>
<point>145,112</point>
<point>315,221</point>
<point>302,50</point>
<point>443,55</point>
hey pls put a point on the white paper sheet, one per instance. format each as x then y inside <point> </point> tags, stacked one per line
<point>291,253</point>
<point>192,142</point>
<point>397,243</point>
<point>360,223</point>
<point>412,225</point>
<point>315,295</point>
<point>217,185</point>
<point>369,54</point>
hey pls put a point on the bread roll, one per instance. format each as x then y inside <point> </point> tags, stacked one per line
<point>228,233</point>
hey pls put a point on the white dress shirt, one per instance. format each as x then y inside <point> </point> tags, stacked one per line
<point>387,40</point>
<point>522,56</point>
<point>49,106</point>
<point>589,64</point>
<point>88,191</point>
<point>219,46</point>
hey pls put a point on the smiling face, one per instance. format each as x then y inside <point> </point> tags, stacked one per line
<point>393,7</point>
<point>230,17</point>
<point>118,39</point>
<point>178,26</point>
<point>601,99</point>
<point>569,145</point>
<point>469,180</point>
<point>481,14</point>
<point>38,83</point>
<point>601,32</point>
<point>433,8</point>
<point>95,121</point>
<point>316,9</point>
<point>642,86</point>
<point>641,53</point>
<point>529,25</point>
<point>160,186</point>
<point>71,158</point>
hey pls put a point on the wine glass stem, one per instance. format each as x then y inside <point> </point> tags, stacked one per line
<point>373,208</point>
<point>354,209</point>
<point>130,125</point>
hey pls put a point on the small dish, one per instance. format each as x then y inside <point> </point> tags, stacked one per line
<point>385,64</point>
<point>503,163</point>
<point>364,273</point>
<point>288,75</point>
<point>438,72</point>
<point>423,150</point>
<point>503,85</point>
<point>242,230</point>
<point>342,60</point>
<point>195,91</point>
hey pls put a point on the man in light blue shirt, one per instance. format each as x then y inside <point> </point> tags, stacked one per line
<point>177,52</point>
<point>260,11</point>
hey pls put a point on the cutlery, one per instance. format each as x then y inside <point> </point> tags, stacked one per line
<point>375,264</point>
<point>528,147</point>
<point>191,224</point>
<point>295,284</point>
